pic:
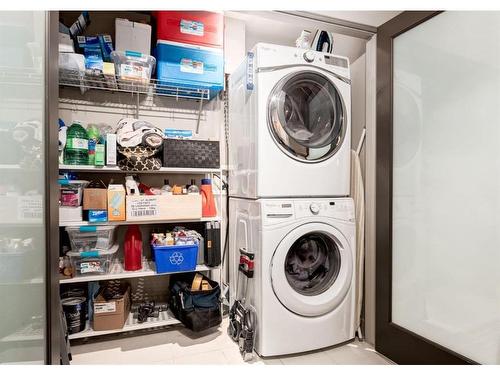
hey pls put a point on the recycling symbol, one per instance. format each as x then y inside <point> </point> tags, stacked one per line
<point>176,258</point>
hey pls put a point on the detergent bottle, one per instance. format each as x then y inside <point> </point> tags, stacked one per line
<point>133,249</point>
<point>208,208</point>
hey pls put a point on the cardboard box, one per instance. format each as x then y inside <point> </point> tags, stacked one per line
<point>112,314</point>
<point>110,149</point>
<point>99,153</point>
<point>163,207</point>
<point>116,202</point>
<point>98,216</point>
<point>132,36</point>
<point>68,213</point>
<point>95,199</point>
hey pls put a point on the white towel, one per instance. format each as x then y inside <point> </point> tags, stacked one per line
<point>358,195</point>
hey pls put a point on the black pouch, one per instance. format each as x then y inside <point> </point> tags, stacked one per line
<point>197,310</point>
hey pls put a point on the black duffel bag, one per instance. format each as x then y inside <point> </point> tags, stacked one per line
<point>197,310</point>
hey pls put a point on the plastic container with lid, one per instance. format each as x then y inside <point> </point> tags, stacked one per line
<point>92,262</point>
<point>193,27</point>
<point>88,238</point>
<point>188,66</point>
<point>133,66</point>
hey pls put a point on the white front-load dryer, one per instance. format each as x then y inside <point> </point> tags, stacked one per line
<point>289,124</point>
<point>303,287</point>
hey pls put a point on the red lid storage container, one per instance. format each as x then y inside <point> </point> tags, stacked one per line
<point>193,27</point>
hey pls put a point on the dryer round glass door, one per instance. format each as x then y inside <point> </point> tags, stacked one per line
<point>306,116</point>
<point>312,269</point>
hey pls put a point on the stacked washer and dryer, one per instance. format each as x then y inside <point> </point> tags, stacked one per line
<point>289,181</point>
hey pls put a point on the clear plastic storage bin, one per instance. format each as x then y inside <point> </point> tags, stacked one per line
<point>89,238</point>
<point>133,69</point>
<point>96,262</point>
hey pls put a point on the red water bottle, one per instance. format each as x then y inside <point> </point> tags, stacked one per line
<point>208,208</point>
<point>133,249</point>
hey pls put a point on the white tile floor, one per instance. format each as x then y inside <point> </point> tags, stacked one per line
<point>181,346</point>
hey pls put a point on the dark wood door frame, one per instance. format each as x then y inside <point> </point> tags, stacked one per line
<point>395,342</point>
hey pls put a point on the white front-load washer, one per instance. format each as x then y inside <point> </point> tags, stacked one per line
<point>303,287</point>
<point>289,124</point>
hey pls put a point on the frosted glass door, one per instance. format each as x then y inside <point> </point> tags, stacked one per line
<point>446,183</point>
<point>22,230</point>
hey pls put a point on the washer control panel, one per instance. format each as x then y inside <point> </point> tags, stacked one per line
<point>314,207</point>
<point>309,56</point>
<point>339,208</point>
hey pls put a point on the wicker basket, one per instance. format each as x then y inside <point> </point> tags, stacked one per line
<point>184,153</point>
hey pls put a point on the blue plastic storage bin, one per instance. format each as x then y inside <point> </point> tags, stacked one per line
<point>175,258</point>
<point>189,66</point>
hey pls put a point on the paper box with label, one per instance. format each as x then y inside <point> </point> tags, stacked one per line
<point>95,199</point>
<point>111,314</point>
<point>163,207</point>
<point>116,203</point>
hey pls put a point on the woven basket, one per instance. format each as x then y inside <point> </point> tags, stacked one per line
<point>187,153</point>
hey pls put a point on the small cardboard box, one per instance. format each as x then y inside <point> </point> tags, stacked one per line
<point>98,216</point>
<point>67,213</point>
<point>163,207</point>
<point>132,36</point>
<point>112,314</point>
<point>111,146</point>
<point>95,199</point>
<point>116,202</point>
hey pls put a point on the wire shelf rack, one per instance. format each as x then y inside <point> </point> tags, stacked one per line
<point>153,87</point>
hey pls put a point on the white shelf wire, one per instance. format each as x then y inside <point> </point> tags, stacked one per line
<point>113,169</point>
<point>129,222</point>
<point>165,318</point>
<point>117,272</point>
<point>151,87</point>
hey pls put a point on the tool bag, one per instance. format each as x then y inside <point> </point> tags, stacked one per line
<point>197,310</point>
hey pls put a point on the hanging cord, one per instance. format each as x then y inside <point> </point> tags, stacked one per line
<point>226,185</point>
<point>361,141</point>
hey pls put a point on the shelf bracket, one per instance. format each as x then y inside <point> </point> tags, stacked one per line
<point>138,103</point>
<point>199,116</point>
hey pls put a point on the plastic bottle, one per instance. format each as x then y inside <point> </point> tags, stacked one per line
<point>166,188</point>
<point>131,184</point>
<point>208,208</point>
<point>93,135</point>
<point>193,189</point>
<point>76,151</point>
<point>133,249</point>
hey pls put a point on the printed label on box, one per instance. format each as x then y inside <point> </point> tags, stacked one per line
<point>30,208</point>
<point>77,143</point>
<point>104,307</point>
<point>146,206</point>
<point>133,71</point>
<point>178,133</point>
<point>91,266</point>
<point>191,66</point>
<point>192,27</point>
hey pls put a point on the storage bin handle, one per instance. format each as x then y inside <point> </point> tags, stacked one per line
<point>89,254</point>
<point>90,228</point>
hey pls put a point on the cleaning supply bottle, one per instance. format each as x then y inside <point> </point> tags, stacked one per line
<point>76,151</point>
<point>131,186</point>
<point>93,135</point>
<point>133,249</point>
<point>193,189</point>
<point>208,208</point>
<point>166,188</point>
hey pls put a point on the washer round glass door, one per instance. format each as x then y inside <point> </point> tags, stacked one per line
<point>306,116</point>
<point>311,269</point>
